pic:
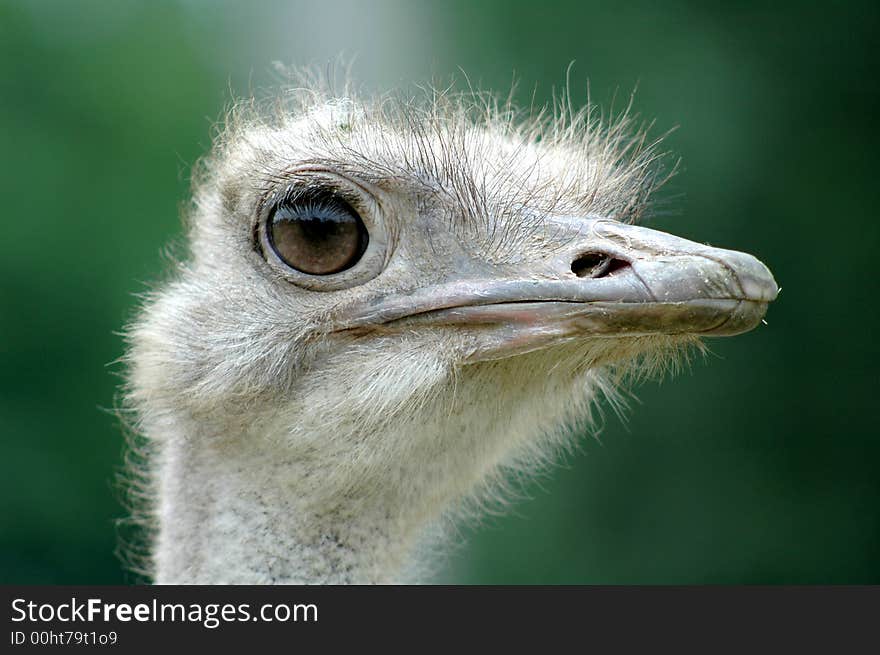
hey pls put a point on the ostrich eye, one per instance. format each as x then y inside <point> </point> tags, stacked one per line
<point>318,235</point>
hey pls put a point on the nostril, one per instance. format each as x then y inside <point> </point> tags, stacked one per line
<point>586,264</point>
<point>595,264</point>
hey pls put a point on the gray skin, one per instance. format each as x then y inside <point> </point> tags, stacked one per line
<point>319,428</point>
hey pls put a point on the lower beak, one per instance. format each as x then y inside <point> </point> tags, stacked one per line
<point>604,279</point>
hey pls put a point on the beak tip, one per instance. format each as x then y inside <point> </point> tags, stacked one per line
<point>762,289</point>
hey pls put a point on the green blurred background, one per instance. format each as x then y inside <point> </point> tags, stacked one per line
<point>759,465</point>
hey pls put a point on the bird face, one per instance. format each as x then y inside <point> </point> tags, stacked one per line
<point>496,249</point>
<point>401,299</point>
<point>345,239</point>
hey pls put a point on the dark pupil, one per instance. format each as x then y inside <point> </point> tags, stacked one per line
<point>318,236</point>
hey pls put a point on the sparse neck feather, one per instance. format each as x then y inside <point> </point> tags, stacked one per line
<point>230,515</point>
<point>313,494</point>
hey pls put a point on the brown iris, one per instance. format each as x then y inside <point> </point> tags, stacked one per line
<point>317,234</point>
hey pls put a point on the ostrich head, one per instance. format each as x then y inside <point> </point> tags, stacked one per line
<point>386,305</point>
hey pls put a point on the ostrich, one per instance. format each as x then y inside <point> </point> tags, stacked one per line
<point>386,307</point>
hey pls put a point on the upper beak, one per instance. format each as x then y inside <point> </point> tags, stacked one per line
<point>603,278</point>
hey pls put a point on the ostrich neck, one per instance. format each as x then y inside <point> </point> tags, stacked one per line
<point>344,489</point>
<point>246,515</point>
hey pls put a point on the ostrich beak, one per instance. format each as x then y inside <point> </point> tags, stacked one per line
<point>603,279</point>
